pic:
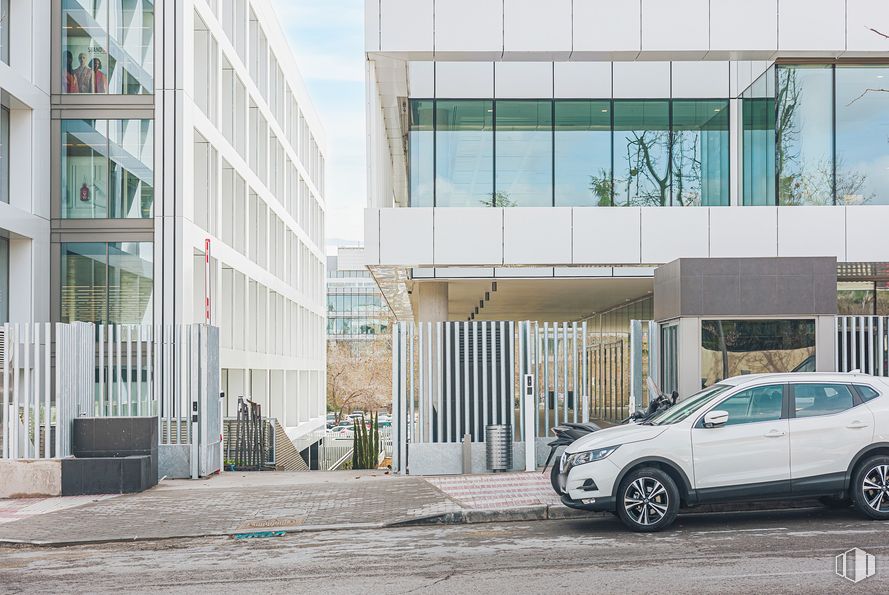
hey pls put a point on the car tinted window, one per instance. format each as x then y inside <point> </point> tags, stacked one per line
<point>866,393</point>
<point>760,403</point>
<point>814,399</point>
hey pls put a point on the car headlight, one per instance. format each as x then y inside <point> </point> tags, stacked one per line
<point>588,456</point>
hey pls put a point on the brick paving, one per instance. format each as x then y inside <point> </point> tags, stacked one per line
<point>498,491</point>
<point>186,512</point>
<point>21,508</point>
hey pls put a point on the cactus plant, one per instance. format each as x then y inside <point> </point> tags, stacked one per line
<point>366,443</point>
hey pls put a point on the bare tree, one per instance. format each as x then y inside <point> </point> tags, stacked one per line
<point>359,375</point>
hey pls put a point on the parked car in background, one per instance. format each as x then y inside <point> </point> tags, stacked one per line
<point>756,437</point>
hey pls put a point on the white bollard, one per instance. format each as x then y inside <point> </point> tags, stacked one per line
<point>530,405</point>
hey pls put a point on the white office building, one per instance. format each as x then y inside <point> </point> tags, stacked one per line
<point>532,160</point>
<point>162,163</point>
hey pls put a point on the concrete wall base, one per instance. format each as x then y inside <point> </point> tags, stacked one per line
<point>174,461</point>
<point>30,478</point>
<point>447,459</point>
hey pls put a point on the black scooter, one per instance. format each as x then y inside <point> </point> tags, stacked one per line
<point>569,432</point>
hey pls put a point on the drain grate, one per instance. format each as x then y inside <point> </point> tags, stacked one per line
<point>275,523</point>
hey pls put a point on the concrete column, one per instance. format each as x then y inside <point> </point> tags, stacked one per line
<point>825,344</point>
<point>689,346</point>
<point>432,301</point>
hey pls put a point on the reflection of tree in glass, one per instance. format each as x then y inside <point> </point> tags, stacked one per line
<point>499,199</point>
<point>645,184</point>
<point>602,188</point>
<point>686,180</point>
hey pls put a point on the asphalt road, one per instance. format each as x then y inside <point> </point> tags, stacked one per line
<point>751,552</point>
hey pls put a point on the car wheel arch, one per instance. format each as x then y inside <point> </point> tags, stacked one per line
<point>877,448</point>
<point>672,469</point>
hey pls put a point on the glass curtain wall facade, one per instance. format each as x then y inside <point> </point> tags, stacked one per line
<point>107,282</point>
<point>107,47</point>
<point>817,135</point>
<point>356,310</point>
<point>541,153</point>
<point>107,169</point>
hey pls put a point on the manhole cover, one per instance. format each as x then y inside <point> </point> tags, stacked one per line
<point>279,523</point>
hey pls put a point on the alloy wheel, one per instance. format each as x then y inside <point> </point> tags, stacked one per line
<point>646,501</point>
<point>875,487</point>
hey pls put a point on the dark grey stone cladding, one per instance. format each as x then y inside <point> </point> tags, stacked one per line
<point>766,287</point>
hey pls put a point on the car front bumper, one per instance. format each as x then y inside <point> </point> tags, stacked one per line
<point>590,504</point>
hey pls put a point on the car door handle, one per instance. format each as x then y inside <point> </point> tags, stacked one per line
<point>774,434</point>
<point>857,425</point>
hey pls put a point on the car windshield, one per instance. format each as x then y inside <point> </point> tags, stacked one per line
<point>687,406</point>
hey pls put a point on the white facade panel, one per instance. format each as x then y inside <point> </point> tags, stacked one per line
<point>464,80</point>
<point>582,271</point>
<point>812,231</point>
<point>537,235</point>
<point>669,233</point>
<point>372,25</point>
<point>641,80</point>
<point>582,80</point>
<point>700,79</point>
<point>607,30</point>
<point>863,16</point>
<point>523,272</point>
<point>421,79</point>
<point>532,30</point>
<point>803,27</point>
<point>464,26</point>
<point>406,236</point>
<point>866,237</point>
<point>675,26</point>
<point>468,236</point>
<point>371,236</point>
<point>406,26</point>
<point>607,235</point>
<point>532,80</point>
<point>743,232</point>
<point>751,25</point>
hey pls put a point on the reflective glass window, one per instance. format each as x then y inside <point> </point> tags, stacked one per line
<point>758,141</point>
<point>737,347</point>
<point>700,153</point>
<point>107,47</point>
<point>641,153</point>
<point>804,149</point>
<point>761,403</point>
<point>524,154</point>
<point>862,135</point>
<point>812,400</point>
<point>856,297</point>
<point>422,153</point>
<point>107,169</point>
<point>110,283</point>
<point>582,153</point>
<point>464,153</point>
<point>4,31</point>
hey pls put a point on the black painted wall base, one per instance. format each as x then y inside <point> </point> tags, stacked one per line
<point>112,455</point>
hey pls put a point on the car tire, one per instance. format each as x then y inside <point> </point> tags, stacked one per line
<point>835,503</point>
<point>647,500</point>
<point>554,477</point>
<point>870,487</point>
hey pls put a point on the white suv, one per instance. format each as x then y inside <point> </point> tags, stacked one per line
<point>755,437</point>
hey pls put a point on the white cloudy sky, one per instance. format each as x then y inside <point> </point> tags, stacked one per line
<point>327,37</point>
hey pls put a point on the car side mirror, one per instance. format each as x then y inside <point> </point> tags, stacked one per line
<point>715,419</point>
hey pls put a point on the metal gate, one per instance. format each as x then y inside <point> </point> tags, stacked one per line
<point>863,344</point>
<point>451,379</point>
<point>53,373</point>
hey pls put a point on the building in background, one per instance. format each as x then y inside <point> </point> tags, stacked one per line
<point>538,160</point>
<point>356,310</point>
<point>162,164</point>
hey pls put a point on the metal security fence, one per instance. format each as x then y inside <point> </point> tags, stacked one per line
<point>53,373</point>
<point>863,344</point>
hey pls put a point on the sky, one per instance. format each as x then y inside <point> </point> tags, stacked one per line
<point>327,38</point>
